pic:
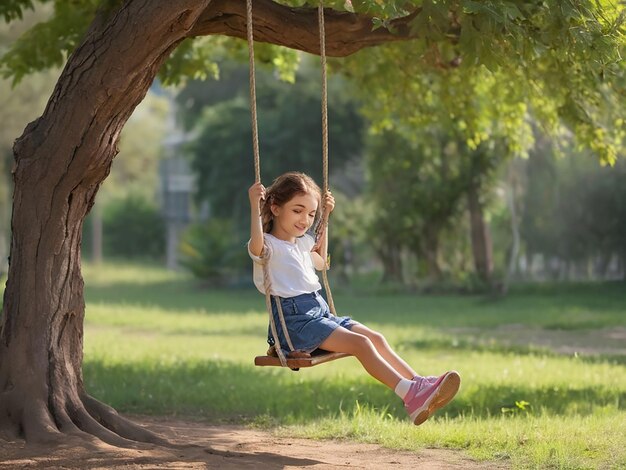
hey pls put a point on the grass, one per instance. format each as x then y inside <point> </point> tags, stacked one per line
<point>157,343</point>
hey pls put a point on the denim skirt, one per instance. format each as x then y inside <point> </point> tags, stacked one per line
<point>308,321</point>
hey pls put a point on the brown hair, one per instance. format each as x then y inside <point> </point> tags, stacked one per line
<point>283,189</point>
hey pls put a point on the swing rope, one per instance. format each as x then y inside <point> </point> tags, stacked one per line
<point>252,81</point>
<point>267,283</point>
<point>322,229</point>
<point>323,225</point>
<point>320,20</point>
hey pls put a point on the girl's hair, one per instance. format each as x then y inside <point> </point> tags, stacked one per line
<point>283,189</point>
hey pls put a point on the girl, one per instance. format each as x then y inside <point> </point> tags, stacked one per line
<point>280,219</point>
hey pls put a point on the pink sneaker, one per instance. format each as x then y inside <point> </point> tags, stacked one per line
<point>431,379</point>
<point>424,398</point>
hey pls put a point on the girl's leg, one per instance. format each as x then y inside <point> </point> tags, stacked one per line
<point>383,348</point>
<point>361,347</point>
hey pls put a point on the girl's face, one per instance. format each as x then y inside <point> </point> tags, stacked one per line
<point>295,217</point>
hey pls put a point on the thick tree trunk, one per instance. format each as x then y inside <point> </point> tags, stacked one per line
<point>481,239</point>
<point>60,161</point>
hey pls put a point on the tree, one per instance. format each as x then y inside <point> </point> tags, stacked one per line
<point>440,162</point>
<point>490,106</point>
<point>290,131</point>
<point>574,210</point>
<point>114,50</point>
<point>417,188</point>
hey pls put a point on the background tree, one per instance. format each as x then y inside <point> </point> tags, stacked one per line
<point>467,167</point>
<point>112,53</point>
<point>417,188</point>
<point>290,139</point>
<point>490,107</point>
<point>573,215</point>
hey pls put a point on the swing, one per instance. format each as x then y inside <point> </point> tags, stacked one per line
<point>275,356</point>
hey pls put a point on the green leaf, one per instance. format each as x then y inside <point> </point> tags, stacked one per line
<point>13,9</point>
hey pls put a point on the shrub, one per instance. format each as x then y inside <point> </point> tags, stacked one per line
<point>133,228</point>
<point>213,252</point>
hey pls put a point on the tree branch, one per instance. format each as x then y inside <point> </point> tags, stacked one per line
<point>297,28</point>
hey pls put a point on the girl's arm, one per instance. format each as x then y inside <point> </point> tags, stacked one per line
<point>256,194</point>
<point>319,253</point>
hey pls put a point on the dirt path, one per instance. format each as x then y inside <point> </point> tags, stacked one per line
<point>200,446</point>
<point>590,342</point>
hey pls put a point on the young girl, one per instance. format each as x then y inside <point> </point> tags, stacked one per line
<point>280,218</point>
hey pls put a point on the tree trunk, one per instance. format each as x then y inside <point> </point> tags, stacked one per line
<point>430,252</point>
<point>514,254</point>
<point>60,162</point>
<point>392,263</point>
<point>481,239</point>
<point>604,261</point>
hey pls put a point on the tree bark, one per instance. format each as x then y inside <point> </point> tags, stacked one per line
<point>297,28</point>
<point>481,239</point>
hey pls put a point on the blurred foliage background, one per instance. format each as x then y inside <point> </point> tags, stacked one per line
<point>486,152</point>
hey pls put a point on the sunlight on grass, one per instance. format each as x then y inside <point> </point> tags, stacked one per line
<point>525,441</point>
<point>120,273</point>
<point>156,342</point>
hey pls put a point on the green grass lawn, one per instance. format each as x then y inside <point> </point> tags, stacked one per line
<point>157,343</point>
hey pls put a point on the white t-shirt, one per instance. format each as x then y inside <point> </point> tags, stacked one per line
<point>291,267</point>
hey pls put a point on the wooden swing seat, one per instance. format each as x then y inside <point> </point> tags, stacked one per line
<point>295,359</point>
<point>298,359</point>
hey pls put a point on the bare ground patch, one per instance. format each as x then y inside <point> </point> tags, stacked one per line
<point>589,342</point>
<point>197,445</point>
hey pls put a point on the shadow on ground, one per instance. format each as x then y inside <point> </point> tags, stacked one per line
<point>562,307</point>
<point>200,446</point>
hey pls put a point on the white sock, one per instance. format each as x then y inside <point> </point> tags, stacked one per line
<point>402,388</point>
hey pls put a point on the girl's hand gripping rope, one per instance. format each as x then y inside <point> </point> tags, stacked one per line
<point>328,205</point>
<point>256,194</point>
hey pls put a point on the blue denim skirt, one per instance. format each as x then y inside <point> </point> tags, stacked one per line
<point>308,321</point>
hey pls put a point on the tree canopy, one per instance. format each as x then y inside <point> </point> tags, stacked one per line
<point>483,67</point>
<point>479,72</point>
